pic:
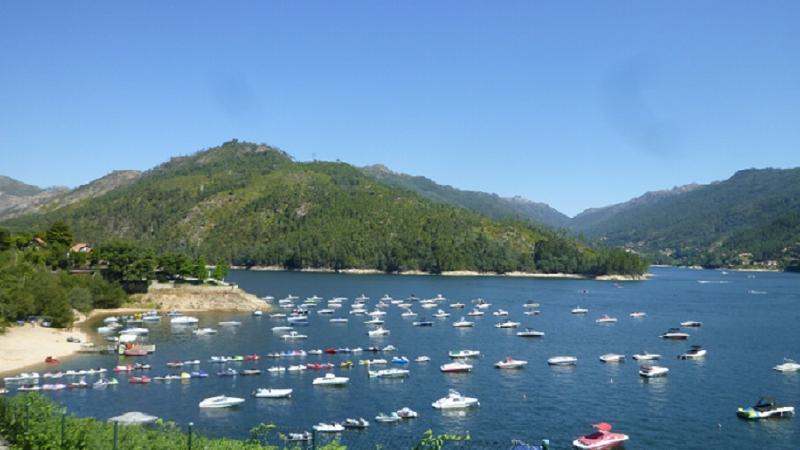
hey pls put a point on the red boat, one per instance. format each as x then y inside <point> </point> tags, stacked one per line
<point>330,351</point>
<point>126,368</point>
<point>51,360</point>
<point>601,438</point>
<point>319,366</point>
<point>135,352</point>
<point>139,380</point>
<point>251,357</point>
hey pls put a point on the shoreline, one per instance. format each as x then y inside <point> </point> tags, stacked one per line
<point>27,346</point>
<point>453,273</point>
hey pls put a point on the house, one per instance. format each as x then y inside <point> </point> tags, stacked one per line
<point>80,247</point>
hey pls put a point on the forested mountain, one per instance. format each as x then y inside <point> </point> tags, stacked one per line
<point>253,205</point>
<point>491,205</point>
<point>749,219</point>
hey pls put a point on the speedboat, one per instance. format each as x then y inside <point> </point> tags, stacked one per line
<point>638,314</point>
<point>292,335</point>
<point>475,312</point>
<point>533,312</point>
<point>454,400</point>
<point>230,323</point>
<point>562,361</point>
<point>258,313</point>
<point>388,418</point>
<point>374,321</point>
<point>408,313</point>
<point>297,368</point>
<point>457,305</point>
<point>788,366</point>
<point>380,331</point>
<point>328,427</point>
<point>282,328</point>
<point>422,359</point>
<point>481,304</point>
<point>22,377</point>
<point>500,313</point>
<point>330,380</point>
<point>510,363</point>
<point>528,332</point>
<point>692,324</point>
<point>456,367</point>
<point>606,319</point>
<point>139,380</point>
<point>229,372</point>
<point>221,401</point>
<point>463,323</point>
<point>276,369</point>
<point>579,310</point>
<point>422,323</point>
<point>400,360</point>
<point>389,373</point>
<point>464,354</point>
<point>184,320</point>
<point>531,305</point>
<point>346,364</point>
<point>764,409</point>
<point>338,320</point>
<point>246,372</point>
<point>272,393</point>
<point>441,314</point>
<point>507,324</point>
<point>198,374</point>
<point>61,386</point>
<point>407,413</point>
<point>29,388</point>
<point>299,437</point>
<point>695,352</point>
<point>601,438</point>
<point>646,356</point>
<point>204,331</point>
<point>357,424</point>
<point>675,334</point>
<point>327,311</point>
<point>373,362</point>
<point>612,358</point>
<point>650,371</point>
<point>277,316</point>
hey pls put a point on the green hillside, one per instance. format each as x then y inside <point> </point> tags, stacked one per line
<point>253,205</point>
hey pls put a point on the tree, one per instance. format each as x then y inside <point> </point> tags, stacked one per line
<point>200,271</point>
<point>221,270</point>
<point>60,233</point>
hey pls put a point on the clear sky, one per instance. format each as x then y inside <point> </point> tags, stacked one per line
<point>577,104</point>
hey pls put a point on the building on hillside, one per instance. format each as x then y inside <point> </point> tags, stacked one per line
<point>80,247</point>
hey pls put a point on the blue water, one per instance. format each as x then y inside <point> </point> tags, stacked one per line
<point>693,407</point>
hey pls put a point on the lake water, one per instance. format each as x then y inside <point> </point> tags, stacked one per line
<point>693,407</point>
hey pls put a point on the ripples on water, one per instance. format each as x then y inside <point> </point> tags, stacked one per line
<point>745,335</point>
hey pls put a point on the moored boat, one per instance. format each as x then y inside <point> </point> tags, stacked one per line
<point>674,334</point>
<point>455,400</point>
<point>510,363</point>
<point>764,409</point>
<point>612,358</point>
<point>652,371</point>
<point>528,332</point>
<point>603,437</point>
<point>272,393</point>
<point>562,361</point>
<point>221,401</point>
<point>456,367</point>
<point>695,352</point>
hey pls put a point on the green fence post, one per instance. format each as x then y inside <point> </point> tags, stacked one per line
<point>63,425</point>
<point>313,439</point>
<point>191,427</point>
<point>116,434</point>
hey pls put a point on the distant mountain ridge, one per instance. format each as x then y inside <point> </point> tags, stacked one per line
<point>491,205</point>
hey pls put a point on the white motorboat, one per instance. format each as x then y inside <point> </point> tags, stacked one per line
<point>327,311</point>
<point>389,373</point>
<point>764,409</point>
<point>282,328</point>
<point>422,359</point>
<point>277,316</point>
<point>612,358</point>
<point>464,354</point>
<point>359,423</point>
<point>376,313</point>
<point>510,363</point>
<point>638,314</point>
<point>293,335</point>
<point>373,362</point>
<point>441,314</point>
<point>500,313</point>
<point>330,380</point>
<point>407,413</point>
<point>375,321</point>
<point>328,427</point>
<point>695,352</point>
<point>272,393</point>
<point>532,312</point>
<point>531,305</point>
<point>184,320</point>
<point>646,356</point>
<point>408,313</point>
<point>475,312</point>
<point>230,323</point>
<point>338,320</point>
<point>389,348</point>
<point>606,319</point>
<point>457,305</point>
<point>692,324</point>
<point>528,332</point>
<point>297,368</point>
<point>388,418</point>
<point>276,369</point>
<point>507,324</point>
<point>650,371</point>
<point>562,361</point>
<point>788,365</point>
<point>204,331</point>
<point>135,330</point>
<point>675,334</point>
<point>463,323</point>
<point>258,313</point>
<point>32,376</point>
<point>455,367</point>
<point>481,304</point>
<point>579,310</point>
<point>380,331</point>
<point>221,401</point>
<point>454,400</point>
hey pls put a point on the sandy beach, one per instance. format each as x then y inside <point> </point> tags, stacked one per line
<point>28,345</point>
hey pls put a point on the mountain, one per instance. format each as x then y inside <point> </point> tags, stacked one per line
<point>490,205</point>
<point>752,217</point>
<point>17,198</point>
<point>252,204</point>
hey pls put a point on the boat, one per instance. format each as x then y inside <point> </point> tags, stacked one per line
<point>183,320</point>
<point>299,437</point>
<point>456,367</point>
<point>338,320</point>
<point>246,372</point>
<point>81,384</point>
<point>374,321</point>
<point>272,393</point>
<point>422,323</point>
<point>422,359</point>
<point>228,372</point>
<point>454,400</point>
<point>510,363</point>
<point>373,362</point>
<point>326,311</point>
<point>328,427</point>
<point>292,335</point>
<point>320,366</point>
<point>51,360</point>
<point>691,324</point>
<point>330,380</point>
<point>764,409</point>
<point>695,352</point>
<point>562,361</point>
<point>277,316</point>
<point>457,305</point>
<point>389,373</point>
<point>481,303</point>
<point>136,331</point>
<point>356,424</point>
<point>380,331</point>
<point>475,312</point>
<point>346,364</point>
<point>400,360</point>
<point>258,313</point>
<point>139,380</point>
<point>464,354</point>
<point>441,314</point>
<point>60,386</point>
<point>198,374</point>
<point>463,323</point>
<point>646,356</point>
<point>651,371</point>
<point>388,418</point>
<point>602,437</point>
<point>276,369</point>
<point>788,365</point>
<point>612,358</point>
<point>221,401</point>
<point>408,313</point>
<point>675,334</point>
<point>500,313</point>
<point>204,332</point>
<point>29,388</point>
<point>407,413</point>
<point>296,368</point>
<point>507,324</point>
<point>531,305</point>
<point>529,332</point>
<point>638,314</point>
<point>281,329</point>
<point>579,310</point>
<point>533,312</point>
<point>605,318</point>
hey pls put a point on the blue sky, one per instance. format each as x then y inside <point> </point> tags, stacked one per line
<point>577,104</point>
